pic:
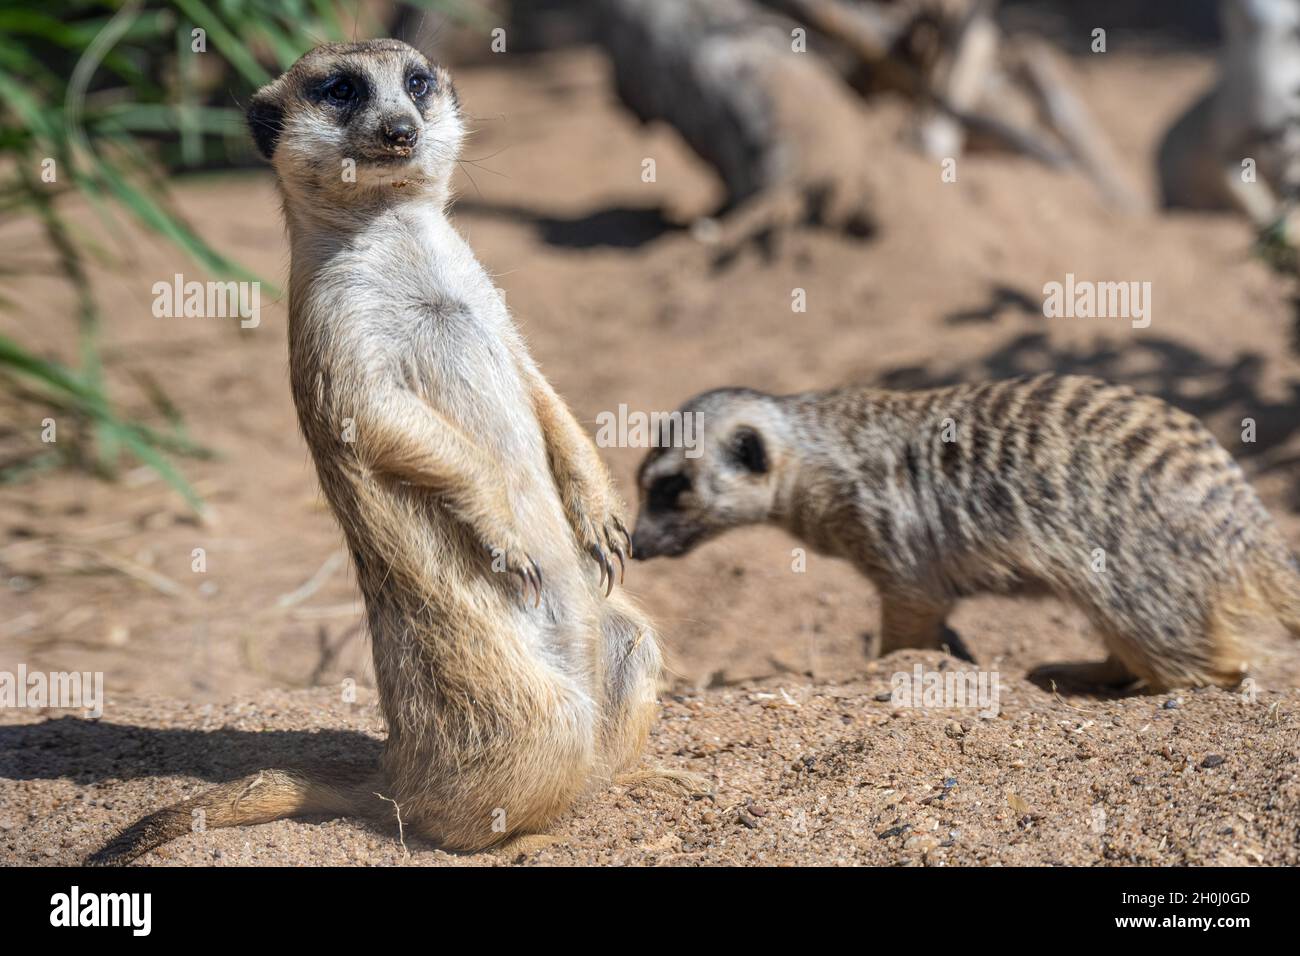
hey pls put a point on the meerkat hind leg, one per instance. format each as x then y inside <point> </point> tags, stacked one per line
<point>906,623</point>
<point>632,665</point>
<point>951,642</point>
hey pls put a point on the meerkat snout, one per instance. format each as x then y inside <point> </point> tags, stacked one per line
<point>401,135</point>
<point>352,120</point>
<point>688,496</point>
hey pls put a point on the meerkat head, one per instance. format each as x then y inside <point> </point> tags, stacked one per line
<point>349,121</point>
<point>727,479</point>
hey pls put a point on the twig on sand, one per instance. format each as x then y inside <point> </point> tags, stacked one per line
<point>159,582</point>
<point>329,654</point>
<point>401,831</point>
<point>312,584</point>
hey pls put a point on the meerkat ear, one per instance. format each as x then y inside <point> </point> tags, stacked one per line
<point>749,449</point>
<point>265,119</point>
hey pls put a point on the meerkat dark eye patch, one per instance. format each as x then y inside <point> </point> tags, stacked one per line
<point>747,449</point>
<point>665,491</point>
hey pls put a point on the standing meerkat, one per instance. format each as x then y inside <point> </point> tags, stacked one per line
<point>1251,113</point>
<point>1113,501</point>
<point>510,677</point>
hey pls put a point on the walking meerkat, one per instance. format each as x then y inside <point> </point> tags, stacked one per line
<point>1066,485</point>
<point>510,677</point>
<point>1251,113</point>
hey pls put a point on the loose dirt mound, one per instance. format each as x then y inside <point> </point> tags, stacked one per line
<point>809,774</point>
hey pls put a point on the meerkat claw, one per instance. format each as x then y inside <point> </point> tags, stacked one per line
<point>608,572</point>
<point>617,550</point>
<point>622,564</point>
<point>531,576</point>
<point>627,537</point>
<point>537,579</point>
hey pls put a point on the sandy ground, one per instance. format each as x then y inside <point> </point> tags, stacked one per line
<point>217,673</point>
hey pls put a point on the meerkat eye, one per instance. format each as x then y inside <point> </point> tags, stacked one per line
<point>418,85</point>
<point>341,90</point>
<point>665,491</point>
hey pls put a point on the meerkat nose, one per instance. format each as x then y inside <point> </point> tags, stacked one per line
<point>401,134</point>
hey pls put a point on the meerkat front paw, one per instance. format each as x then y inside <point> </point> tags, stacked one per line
<point>515,560</point>
<point>601,531</point>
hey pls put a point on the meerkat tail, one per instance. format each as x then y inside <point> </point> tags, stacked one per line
<point>260,798</point>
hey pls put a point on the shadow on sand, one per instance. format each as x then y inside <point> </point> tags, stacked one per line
<point>621,227</point>
<point>91,751</point>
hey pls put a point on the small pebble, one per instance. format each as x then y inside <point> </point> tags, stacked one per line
<point>745,819</point>
<point>920,842</point>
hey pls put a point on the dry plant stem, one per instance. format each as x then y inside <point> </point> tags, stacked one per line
<point>1066,114</point>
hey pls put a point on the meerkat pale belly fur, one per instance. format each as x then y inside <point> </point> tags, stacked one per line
<point>510,675</point>
<point>1111,500</point>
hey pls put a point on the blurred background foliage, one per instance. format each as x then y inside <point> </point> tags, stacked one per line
<point>106,99</point>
